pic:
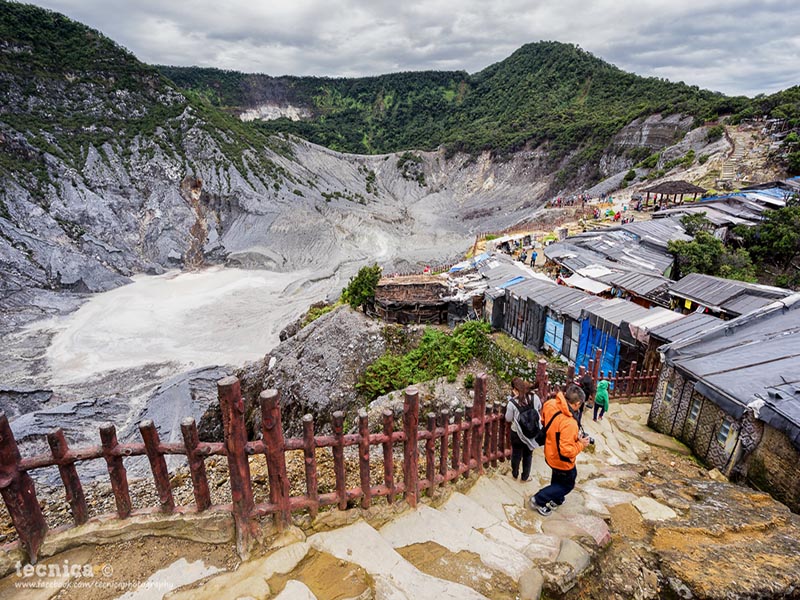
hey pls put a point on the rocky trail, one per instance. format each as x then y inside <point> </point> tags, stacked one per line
<point>645,521</point>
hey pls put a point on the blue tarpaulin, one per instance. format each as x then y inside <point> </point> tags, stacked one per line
<point>553,334</point>
<point>593,339</point>
<point>511,282</point>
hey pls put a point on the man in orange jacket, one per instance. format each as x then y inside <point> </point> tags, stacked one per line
<point>562,446</point>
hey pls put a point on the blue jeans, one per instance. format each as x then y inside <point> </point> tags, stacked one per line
<point>561,484</point>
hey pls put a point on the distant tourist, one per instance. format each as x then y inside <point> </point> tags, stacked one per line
<point>562,446</point>
<point>534,256</point>
<point>601,400</point>
<point>586,384</point>
<point>522,411</point>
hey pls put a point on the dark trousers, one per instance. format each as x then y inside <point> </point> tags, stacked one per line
<point>602,410</point>
<point>561,484</point>
<point>520,452</point>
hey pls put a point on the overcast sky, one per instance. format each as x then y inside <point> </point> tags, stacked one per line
<point>731,46</point>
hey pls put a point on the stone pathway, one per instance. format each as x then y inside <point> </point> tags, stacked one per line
<point>462,547</point>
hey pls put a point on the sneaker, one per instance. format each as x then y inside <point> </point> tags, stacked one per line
<point>552,505</point>
<point>543,510</point>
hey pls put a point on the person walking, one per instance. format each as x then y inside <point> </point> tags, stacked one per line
<point>587,385</point>
<point>601,400</point>
<point>523,399</point>
<point>563,444</point>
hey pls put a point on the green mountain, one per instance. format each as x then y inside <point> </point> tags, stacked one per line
<point>544,92</point>
<point>67,87</point>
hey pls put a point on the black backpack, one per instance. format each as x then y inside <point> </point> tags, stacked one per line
<point>529,420</point>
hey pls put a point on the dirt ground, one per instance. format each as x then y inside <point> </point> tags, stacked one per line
<point>118,568</point>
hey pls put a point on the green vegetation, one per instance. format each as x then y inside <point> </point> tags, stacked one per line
<point>345,195</point>
<point>650,162</point>
<point>410,167</point>
<point>776,240</point>
<point>768,251</point>
<point>714,133</point>
<point>696,222</point>
<point>360,291</point>
<point>780,105</point>
<point>439,354</point>
<point>372,188</point>
<point>544,92</point>
<point>548,94</point>
<point>469,381</point>
<point>703,159</point>
<point>707,254</point>
<point>684,161</point>
<point>317,310</point>
<point>68,88</point>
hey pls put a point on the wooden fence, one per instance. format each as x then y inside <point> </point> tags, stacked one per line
<point>447,446</point>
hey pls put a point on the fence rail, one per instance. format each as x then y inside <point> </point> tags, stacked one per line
<point>447,446</point>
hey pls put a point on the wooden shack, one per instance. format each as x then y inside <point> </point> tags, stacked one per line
<point>412,299</point>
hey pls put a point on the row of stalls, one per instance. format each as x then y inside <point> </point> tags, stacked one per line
<point>744,207</point>
<point>566,321</point>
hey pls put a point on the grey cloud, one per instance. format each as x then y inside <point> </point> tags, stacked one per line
<point>734,46</point>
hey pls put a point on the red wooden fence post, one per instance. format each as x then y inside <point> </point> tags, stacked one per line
<point>69,475</point>
<point>502,433</point>
<point>598,357</point>
<point>310,460</point>
<point>363,458</point>
<point>339,472</point>
<point>231,403</point>
<point>466,440</point>
<point>541,379</point>
<point>495,428</point>
<point>479,414</point>
<point>456,444</point>
<point>410,448</point>
<point>116,470</point>
<point>19,494</point>
<point>388,454</point>
<point>631,379</point>
<point>274,446</point>
<point>570,373</point>
<point>444,422</point>
<point>197,466</point>
<point>158,465</point>
<point>430,455</point>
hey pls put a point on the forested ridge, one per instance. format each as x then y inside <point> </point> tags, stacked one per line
<point>544,92</point>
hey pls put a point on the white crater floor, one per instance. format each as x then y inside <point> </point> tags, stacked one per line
<point>216,316</point>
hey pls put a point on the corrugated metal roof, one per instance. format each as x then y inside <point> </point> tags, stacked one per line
<point>584,283</point>
<point>613,312</point>
<point>741,360</point>
<point>640,284</point>
<point>686,327</point>
<point>641,328</point>
<point>746,303</point>
<point>718,294</point>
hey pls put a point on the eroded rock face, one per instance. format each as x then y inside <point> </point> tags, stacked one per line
<point>316,370</point>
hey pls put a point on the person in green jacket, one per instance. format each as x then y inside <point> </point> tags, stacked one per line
<point>601,400</point>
